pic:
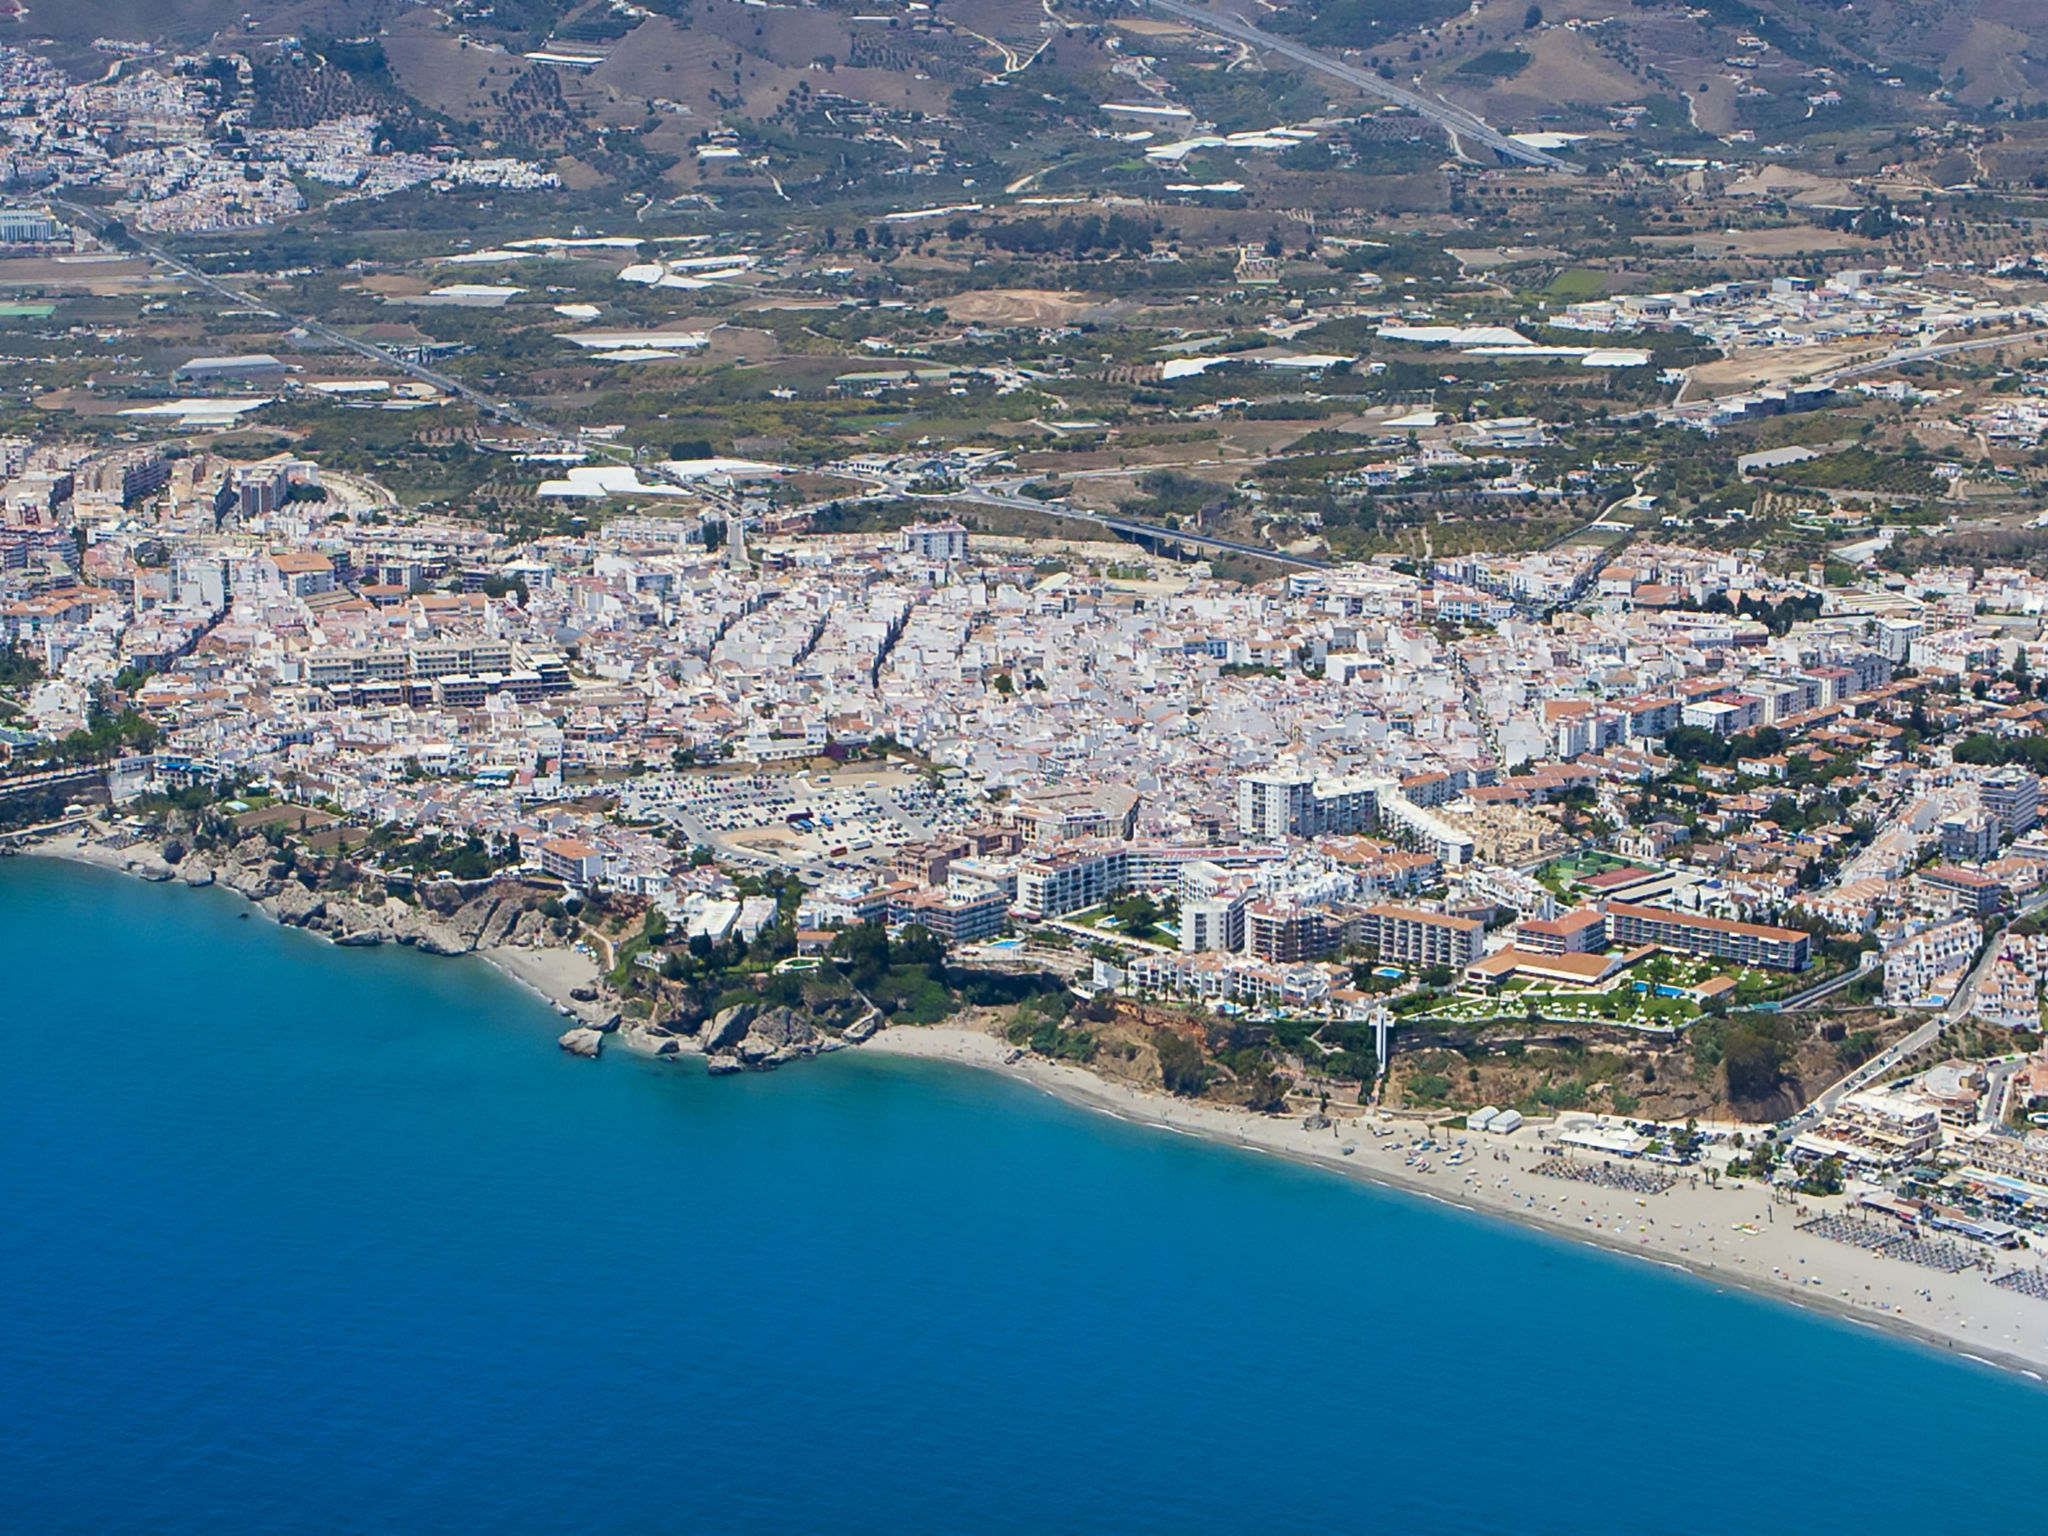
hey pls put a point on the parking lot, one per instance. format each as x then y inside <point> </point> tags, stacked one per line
<point>847,819</point>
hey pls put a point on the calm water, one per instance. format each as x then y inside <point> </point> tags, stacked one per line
<point>299,1239</point>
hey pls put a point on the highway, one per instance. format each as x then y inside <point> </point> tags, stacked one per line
<point>502,409</point>
<point>1454,120</point>
<point>1924,354</point>
<point>1125,525</point>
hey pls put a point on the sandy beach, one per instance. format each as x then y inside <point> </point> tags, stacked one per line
<point>1736,1234</point>
<point>551,974</point>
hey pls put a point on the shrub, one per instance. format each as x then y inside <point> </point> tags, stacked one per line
<point>1181,1066</point>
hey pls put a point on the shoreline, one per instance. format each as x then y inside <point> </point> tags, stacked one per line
<point>1734,1235</point>
<point>1729,1235</point>
<point>549,973</point>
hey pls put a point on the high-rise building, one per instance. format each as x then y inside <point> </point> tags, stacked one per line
<point>1212,922</point>
<point>935,541</point>
<point>1289,802</point>
<point>1274,803</point>
<point>1972,838</point>
<point>2013,796</point>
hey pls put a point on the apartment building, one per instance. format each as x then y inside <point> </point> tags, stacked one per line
<point>566,858</point>
<point>953,916</point>
<point>1949,889</point>
<point>1216,978</point>
<point>1921,971</point>
<point>1579,932</point>
<point>1873,1130</point>
<point>1070,880</point>
<point>1213,922</point>
<point>2013,796</point>
<point>1413,937</point>
<point>1754,944</point>
<point>1725,716</point>
<point>935,541</point>
<point>1972,838</point>
<point>1284,933</point>
<point>1063,812</point>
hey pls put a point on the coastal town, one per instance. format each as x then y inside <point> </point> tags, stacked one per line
<point>1317,811</point>
<point>1541,697</point>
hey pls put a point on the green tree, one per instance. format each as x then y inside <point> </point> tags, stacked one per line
<point>1754,1062</point>
<point>1181,1065</point>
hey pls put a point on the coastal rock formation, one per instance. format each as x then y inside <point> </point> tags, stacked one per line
<point>346,904</point>
<point>728,1028</point>
<point>530,929</point>
<point>295,906</point>
<point>642,1035</point>
<point>744,1037</point>
<point>778,1036</point>
<point>863,1029</point>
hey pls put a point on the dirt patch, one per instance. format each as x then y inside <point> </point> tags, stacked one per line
<point>1790,240</point>
<point>1139,28</point>
<point>1016,306</point>
<point>1764,366</point>
<point>297,818</point>
<point>1493,258</point>
<point>96,275</point>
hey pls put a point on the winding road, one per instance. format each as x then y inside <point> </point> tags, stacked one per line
<point>1454,120</point>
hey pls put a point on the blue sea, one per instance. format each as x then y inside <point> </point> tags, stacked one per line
<point>299,1239</point>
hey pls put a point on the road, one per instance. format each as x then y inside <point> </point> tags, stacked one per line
<point>51,778</point>
<point>1127,525</point>
<point>1454,120</point>
<point>490,406</point>
<point>1923,354</point>
<point>1927,1033</point>
<point>1868,962</point>
<point>1990,1111</point>
<point>1878,1065</point>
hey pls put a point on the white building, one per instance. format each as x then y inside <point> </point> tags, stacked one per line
<point>935,541</point>
<point>1923,971</point>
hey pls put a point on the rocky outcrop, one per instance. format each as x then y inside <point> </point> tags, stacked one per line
<point>759,1039</point>
<point>533,927</point>
<point>346,904</point>
<point>295,906</point>
<point>647,1037</point>
<point>777,1036</point>
<point>728,1027</point>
